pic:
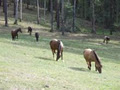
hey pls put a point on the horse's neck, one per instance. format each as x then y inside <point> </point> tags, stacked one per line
<point>97,58</point>
<point>17,31</point>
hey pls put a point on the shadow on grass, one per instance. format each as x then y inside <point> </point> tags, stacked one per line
<point>44,58</point>
<point>79,69</point>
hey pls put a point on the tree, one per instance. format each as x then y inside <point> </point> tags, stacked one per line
<point>38,13</point>
<point>62,17</point>
<point>20,10</point>
<point>0,2</point>
<point>57,17</point>
<point>5,12</point>
<point>44,9</point>
<point>74,7</point>
<point>16,14</point>
<point>93,17</point>
<point>51,11</point>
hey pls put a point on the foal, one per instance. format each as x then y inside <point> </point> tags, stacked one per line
<point>30,30</point>
<point>57,45</point>
<point>91,56</point>
<point>106,39</point>
<point>37,36</point>
<point>14,33</point>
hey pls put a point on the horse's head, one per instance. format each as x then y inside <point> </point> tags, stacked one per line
<point>20,30</point>
<point>60,50</point>
<point>58,55</point>
<point>99,69</point>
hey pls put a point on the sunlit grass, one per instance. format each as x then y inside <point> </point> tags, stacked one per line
<point>29,65</point>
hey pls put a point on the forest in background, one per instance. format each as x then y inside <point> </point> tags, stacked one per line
<point>66,14</point>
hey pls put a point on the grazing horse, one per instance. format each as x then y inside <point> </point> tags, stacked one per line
<point>14,33</point>
<point>37,36</point>
<point>30,30</point>
<point>57,45</point>
<point>106,39</point>
<point>91,56</point>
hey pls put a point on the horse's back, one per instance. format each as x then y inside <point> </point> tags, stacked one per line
<point>88,55</point>
<point>54,44</point>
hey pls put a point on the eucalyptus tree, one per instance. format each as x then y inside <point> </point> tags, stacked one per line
<point>38,13</point>
<point>62,17</point>
<point>5,12</point>
<point>74,12</point>
<point>20,10</point>
<point>16,10</point>
<point>93,16</point>
<point>51,11</point>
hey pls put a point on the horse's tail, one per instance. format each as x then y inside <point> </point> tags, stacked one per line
<point>96,56</point>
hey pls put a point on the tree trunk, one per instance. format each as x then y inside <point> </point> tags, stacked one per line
<point>5,12</point>
<point>57,17</point>
<point>20,10</point>
<point>62,12</point>
<point>3,7</point>
<point>51,10</point>
<point>14,8</point>
<point>44,9</point>
<point>74,12</point>
<point>38,12</point>
<point>49,3</point>
<point>93,17</point>
<point>16,15</point>
<point>0,2</point>
<point>117,11</point>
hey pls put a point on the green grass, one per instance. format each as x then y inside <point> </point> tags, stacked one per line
<point>26,64</point>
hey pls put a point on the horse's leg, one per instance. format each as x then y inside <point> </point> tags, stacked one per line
<point>12,37</point>
<point>53,51</point>
<point>17,36</point>
<point>89,65</point>
<point>106,41</point>
<point>95,67</point>
<point>62,56</point>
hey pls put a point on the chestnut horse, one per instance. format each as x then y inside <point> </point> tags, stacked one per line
<point>57,45</point>
<point>106,39</point>
<point>14,33</point>
<point>91,56</point>
<point>30,30</point>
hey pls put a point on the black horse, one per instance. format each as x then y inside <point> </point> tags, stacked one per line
<point>14,33</point>
<point>37,36</point>
<point>29,30</point>
<point>106,39</point>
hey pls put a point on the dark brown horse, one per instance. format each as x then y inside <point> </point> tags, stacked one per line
<point>91,56</point>
<point>37,36</point>
<point>30,30</point>
<point>14,33</point>
<point>57,45</point>
<point>106,39</point>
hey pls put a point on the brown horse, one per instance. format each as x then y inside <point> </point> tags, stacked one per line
<point>57,45</point>
<point>106,39</point>
<point>14,33</point>
<point>91,56</point>
<point>30,30</point>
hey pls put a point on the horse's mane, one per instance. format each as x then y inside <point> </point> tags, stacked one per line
<point>96,56</point>
<point>59,46</point>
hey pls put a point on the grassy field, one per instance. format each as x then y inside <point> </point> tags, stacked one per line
<point>28,65</point>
